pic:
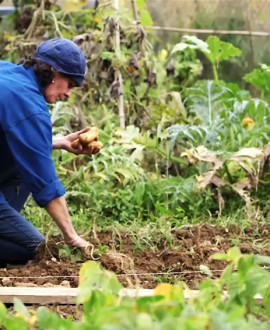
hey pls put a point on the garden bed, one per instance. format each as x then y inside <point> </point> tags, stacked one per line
<point>190,249</point>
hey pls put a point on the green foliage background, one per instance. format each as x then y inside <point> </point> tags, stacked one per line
<point>192,151</point>
<point>148,171</point>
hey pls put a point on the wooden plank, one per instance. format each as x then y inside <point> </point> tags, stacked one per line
<point>62,295</point>
<point>68,296</point>
<point>36,295</point>
<point>133,293</point>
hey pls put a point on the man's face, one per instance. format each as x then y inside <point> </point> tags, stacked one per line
<point>59,89</point>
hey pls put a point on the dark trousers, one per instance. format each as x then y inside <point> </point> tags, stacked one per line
<point>19,239</point>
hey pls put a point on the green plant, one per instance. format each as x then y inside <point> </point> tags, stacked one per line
<point>214,49</point>
<point>217,116</point>
<point>260,78</point>
<point>170,307</point>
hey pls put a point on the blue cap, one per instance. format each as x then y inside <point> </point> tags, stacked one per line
<point>65,56</point>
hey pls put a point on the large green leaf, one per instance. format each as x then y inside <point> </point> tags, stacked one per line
<point>220,50</point>
<point>93,277</point>
<point>191,42</point>
<point>3,312</point>
<point>259,78</point>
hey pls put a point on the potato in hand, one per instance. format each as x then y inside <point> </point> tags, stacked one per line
<point>88,140</point>
<point>89,136</point>
<point>95,145</point>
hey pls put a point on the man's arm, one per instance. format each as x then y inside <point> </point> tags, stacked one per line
<point>57,209</point>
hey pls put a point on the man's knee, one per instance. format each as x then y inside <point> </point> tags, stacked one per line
<point>36,245</point>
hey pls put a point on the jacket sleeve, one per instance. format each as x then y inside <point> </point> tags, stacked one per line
<point>30,141</point>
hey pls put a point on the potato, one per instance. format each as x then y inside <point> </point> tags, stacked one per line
<point>89,136</point>
<point>88,140</point>
<point>95,145</point>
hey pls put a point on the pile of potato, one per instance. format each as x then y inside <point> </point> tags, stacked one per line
<point>88,140</point>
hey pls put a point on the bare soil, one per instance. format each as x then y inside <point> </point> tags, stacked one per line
<point>191,247</point>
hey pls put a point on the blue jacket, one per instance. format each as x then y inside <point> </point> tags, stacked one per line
<point>26,134</point>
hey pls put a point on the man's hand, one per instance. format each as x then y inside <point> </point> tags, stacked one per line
<point>65,143</point>
<point>77,242</point>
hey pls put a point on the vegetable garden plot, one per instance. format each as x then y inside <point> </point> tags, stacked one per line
<point>245,301</point>
<point>187,259</point>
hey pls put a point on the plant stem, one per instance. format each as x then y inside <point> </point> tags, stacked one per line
<point>135,11</point>
<point>118,75</point>
<point>170,157</point>
<point>215,72</point>
<point>56,24</point>
<point>138,22</point>
<point>228,172</point>
<point>29,32</point>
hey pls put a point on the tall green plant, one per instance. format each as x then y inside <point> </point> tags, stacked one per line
<point>222,118</point>
<point>214,49</point>
<point>219,51</point>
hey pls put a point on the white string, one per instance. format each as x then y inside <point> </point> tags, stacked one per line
<point>127,274</point>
